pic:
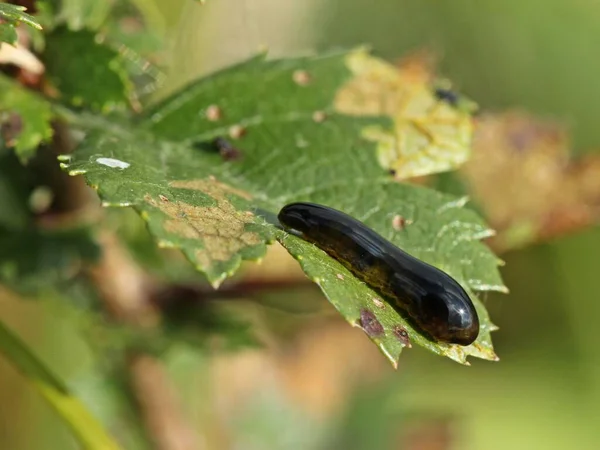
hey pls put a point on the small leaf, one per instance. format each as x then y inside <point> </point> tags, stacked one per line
<point>8,34</point>
<point>85,71</point>
<point>84,426</point>
<point>31,126</point>
<point>14,14</point>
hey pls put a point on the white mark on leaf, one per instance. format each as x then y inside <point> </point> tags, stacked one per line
<point>114,163</point>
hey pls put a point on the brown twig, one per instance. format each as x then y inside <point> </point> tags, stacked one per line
<point>122,285</point>
<point>125,290</point>
<point>160,410</point>
<point>186,294</point>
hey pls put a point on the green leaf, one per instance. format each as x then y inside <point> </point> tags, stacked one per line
<point>370,419</point>
<point>107,392</point>
<point>78,14</point>
<point>31,126</point>
<point>81,14</point>
<point>85,71</point>
<point>31,259</point>
<point>218,202</point>
<point>8,33</point>
<point>89,433</point>
<point>10,17</point>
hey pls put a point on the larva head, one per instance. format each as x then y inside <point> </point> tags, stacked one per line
<point>449,315</point>
<point>301,216</point>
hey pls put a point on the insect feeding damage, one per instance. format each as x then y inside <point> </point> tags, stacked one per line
<point>220,229</point>
<point>370,324</point>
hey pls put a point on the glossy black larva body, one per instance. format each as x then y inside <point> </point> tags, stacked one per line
<point>434,301</point>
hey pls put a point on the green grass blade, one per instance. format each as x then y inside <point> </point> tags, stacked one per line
<point>88,431</point>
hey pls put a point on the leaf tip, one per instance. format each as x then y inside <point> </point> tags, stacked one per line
<point>215,282</point>
<point>393,360</point>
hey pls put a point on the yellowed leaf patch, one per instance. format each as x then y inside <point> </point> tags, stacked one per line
<point>221,229</point>
<point>429,135</point>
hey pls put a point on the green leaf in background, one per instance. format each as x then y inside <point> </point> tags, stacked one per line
<point>80,14</point>
<point>280,139</point>
<point>85,71</point>
<point>15,190</point>
<point>370,420</point>
<point>84,426</point>
<point>8,34</point>
<point>31,258</point>
<point>31,125</point>
<point>10,17</point>
<point>203,325</point>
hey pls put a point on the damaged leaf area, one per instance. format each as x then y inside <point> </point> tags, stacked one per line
<point>224,231</point>
<point>431,133</point>
<point>528,186</point>
<point>210,221</point>
<point>210,167</point>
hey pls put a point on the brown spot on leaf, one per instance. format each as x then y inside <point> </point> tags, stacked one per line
<point>398,222</point>
<point>227,151</point>
<point>339,276</point>
<point>402,336</point>
<point>163,198</point>
<point>370,324</point>
<point>237,131</point>
<point>319,116</point>
<point>213,113</point>
<point>301,77</point>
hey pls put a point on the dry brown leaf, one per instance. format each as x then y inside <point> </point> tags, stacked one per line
<point>522,176</point>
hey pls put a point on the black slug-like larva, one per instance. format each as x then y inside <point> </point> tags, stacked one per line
<point>430,297</point>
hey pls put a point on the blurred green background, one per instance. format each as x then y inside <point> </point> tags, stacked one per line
<point>540,56</point>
